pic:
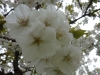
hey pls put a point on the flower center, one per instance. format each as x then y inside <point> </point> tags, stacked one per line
<point>37,41</point>
<point>58,72</point>
<point>46,23</point>
<point>22,21</point>
<point>60,35</point>
<point>67,58</point>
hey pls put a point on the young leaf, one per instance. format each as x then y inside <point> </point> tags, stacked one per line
<point>77,33</point>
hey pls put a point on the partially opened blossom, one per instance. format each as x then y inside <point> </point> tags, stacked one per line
<point>18,21</point>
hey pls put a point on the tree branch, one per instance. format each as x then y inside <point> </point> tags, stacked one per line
<point>2,73</point>
<point>7,38</point>
<point>17,71</point>
<point>89,14</point>
<point>85,14</point>
<point>90,3</point>
<point>8,12</point>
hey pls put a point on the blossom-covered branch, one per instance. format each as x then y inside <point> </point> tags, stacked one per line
<point>87,14</point>
<point>90,3</point>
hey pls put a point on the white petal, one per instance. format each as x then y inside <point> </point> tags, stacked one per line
<point>22,10</point>
<point>11,18</point>
<point>30,53</point>
<point>49,34</point>
<point>51,8</point>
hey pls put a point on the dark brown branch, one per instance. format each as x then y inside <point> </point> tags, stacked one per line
<point>2,73</point>
<point>7,38</point>
<point>8,12</point>
<point>60,5</point>
<point>17,71</point>
<point>90,3</point>
<point>37,6</point>
<point>85,14</point>
<point>89,14</point>
<point>2,54</point>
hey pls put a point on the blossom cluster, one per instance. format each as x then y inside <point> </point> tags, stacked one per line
<point>45,39</point>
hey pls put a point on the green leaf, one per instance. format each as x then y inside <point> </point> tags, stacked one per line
<point>77,33</point>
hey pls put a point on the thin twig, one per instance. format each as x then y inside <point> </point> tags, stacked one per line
<point>90,3</point>
<point>79,4</point>
<point>8,12</point>
<point>89,14</point>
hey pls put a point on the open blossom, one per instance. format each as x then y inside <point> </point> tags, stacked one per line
<point>56,19</point>
<point>62,34</point>
<point>39,42</point>
<point>18,21</point>
<point>68,59</point>
<point>49,17</point>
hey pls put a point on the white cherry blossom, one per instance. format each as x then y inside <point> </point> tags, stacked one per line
<point>62,34</point>
<point>18,21</point>
<point>50,19</point>
<point>39,42</point>
<point>68,59</point>
<point>45,39</point>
